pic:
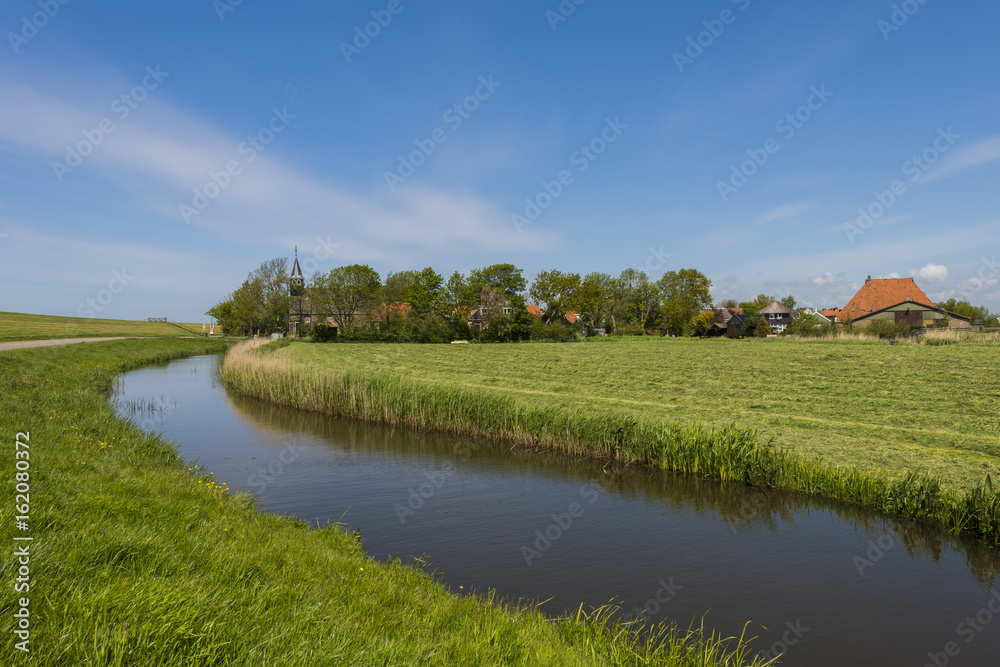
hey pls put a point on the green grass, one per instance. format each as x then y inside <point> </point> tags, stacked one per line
<point>23,326</point>
<point>139,560</point>
<point>863,422</point>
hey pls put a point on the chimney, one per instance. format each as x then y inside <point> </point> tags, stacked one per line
<point>868,280</point>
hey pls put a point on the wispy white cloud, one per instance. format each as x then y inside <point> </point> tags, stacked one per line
<point>967,157</point>
<point>792,213</point>
<point>160,154</point>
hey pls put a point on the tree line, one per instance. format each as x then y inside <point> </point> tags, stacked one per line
<point>422,306</point>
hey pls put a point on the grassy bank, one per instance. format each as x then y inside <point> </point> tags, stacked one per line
<point>137,559</point>
<point>875,407</point>
<point>24,326</point>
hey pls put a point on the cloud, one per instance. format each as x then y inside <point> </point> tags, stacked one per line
<point>160,154</point>
<point>967,157</point>
<point>787,213</point>
<point>934,273</point>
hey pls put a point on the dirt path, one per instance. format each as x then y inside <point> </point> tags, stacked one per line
<point>20,344</point>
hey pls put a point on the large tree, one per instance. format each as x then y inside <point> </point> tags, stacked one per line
<point>504,277</point>
<point>397,286</point>
<point>260,305</point>
<point>685,293</point>
<point>344,292</point>
<point>425,293</point>
<point>556,291</point>
<point>594,296</point>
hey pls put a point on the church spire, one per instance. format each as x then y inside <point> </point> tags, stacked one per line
<point>296,270</point>
<point>297,280</point>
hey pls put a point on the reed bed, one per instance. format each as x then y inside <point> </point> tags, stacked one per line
<point>728,453</point>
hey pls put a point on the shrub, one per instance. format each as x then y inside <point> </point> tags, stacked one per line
<point>321,333</point>
<point>559,332</point>
<point>887,329</point>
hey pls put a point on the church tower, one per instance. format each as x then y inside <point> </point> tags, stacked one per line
<point>297,282</point>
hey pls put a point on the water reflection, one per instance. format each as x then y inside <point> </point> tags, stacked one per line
<point>740,508</point>
<point>826,583</point>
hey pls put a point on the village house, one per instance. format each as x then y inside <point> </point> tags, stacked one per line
<point>778,316</point>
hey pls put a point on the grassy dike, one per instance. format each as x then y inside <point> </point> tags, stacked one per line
<point>726,453</point>
<point>139,560</point>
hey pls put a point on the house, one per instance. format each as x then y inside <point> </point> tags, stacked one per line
<point>739,325</point>
<point>536,311</point>
<point>778,316</point>
<point>831,314</point>
<point>880,293</point>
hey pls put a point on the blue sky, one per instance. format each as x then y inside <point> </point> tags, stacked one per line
<point>154,153</point>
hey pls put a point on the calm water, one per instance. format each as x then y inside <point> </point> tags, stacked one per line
<point>828,584</point>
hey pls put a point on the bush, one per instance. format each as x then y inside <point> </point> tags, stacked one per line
<point>322,333</point>
<point>631,329</point>
<point>558,332</point>
<point>809,325</point>
<point>887,329</point>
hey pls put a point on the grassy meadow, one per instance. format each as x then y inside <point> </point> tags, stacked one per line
<point>911,429</point>
<point>138,559</point>
<point>859,404</point>
<point>23,326</point>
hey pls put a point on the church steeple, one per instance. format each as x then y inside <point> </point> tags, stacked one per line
<point>297,280</point>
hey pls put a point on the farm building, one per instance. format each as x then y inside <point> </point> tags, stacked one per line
<point>912,312</point>
<point>880,293</point>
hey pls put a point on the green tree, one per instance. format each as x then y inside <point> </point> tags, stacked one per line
<point>425,292</point>
<point>702,323</point>
<point>397,286</point>
<point>645,296</point>
<point>504,277</point>
<point>593,297</point>
<point>763,329</point>
<point>750,307</point>
<point>684,294</point>
<point>788,301</point>
<point>556,291</point>
<point>456,292</point>
<point>966,309</point>
<point>728,303</point>
<point>222,312</point>
<point>345,292</point>
<point>809,325</point>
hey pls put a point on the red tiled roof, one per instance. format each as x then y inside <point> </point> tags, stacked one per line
<point>833,312</point>
<point>735,311</point>
<point>572,317</point>
<point>879,293</point>
<point>400,308</point>
<point>536,311</point>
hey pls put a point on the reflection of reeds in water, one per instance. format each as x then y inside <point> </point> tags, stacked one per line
<point>729,454</point>
<point>142,407</point>
<point>741,508</point>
